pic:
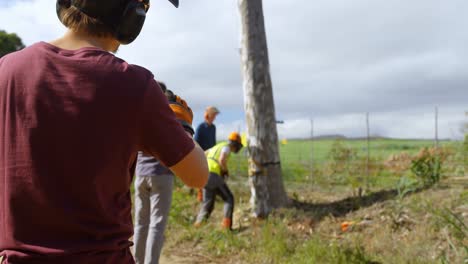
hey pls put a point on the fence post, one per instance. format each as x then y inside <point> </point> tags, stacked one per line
<point>464,148</point>
<point>436,130</point>
<point>368,149</point>
<point>312,149</point>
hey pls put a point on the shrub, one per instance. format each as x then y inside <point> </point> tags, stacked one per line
<point>340,159</point>
<point>398,163</point>
<point>427,165</point>
<point>406,185</point>
<point>465,150</point>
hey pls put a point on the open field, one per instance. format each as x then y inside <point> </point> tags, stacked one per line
<point>313,161</point>
<point>386,222</point>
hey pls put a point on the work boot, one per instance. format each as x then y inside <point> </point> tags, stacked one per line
<point>227,223</point>
<point>200,195</point>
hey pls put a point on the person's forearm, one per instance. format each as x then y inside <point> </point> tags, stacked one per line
<point>193,169</point>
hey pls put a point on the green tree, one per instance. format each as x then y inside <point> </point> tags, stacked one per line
<point>9,42</point>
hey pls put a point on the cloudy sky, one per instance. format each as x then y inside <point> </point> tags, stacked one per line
<point>331,60</point>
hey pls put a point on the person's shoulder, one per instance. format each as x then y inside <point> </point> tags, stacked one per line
<point>125,67</point>
<point>84,57</point>
<point>10,56</point>
<point>18,59</point>
<point>140,73</point>
<point>120,66</point>
<point>225,149</point>
<point>202,125</point>
<point>136,79</point>
<point>18,55</point>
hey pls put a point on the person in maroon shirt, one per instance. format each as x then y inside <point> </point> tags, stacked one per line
<point>73,117</point>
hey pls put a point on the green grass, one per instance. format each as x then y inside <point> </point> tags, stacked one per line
<point>424,227</point>
<point>268,242</point>
<point>305,150</point>
<point>310,161</point>
<point>421,227</point>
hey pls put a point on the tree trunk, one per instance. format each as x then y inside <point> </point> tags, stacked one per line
<point>262,144</point>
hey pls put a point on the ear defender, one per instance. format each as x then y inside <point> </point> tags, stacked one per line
<point>64,3</point>
<point>127,21</point>
<point>132,21</point>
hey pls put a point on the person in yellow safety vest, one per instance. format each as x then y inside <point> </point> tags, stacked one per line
<point>217,158</point>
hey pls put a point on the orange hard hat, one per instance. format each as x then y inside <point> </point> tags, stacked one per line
<point>235,137</point>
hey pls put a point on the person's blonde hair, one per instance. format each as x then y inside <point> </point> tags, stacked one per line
<point>210,110</point>
<point>78,21</point>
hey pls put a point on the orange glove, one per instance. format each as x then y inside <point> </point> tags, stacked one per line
<point>182,111</point>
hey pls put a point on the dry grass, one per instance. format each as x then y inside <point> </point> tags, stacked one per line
<point>387,228</point>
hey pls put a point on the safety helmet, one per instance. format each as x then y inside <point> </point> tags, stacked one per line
<point>236,138</point>
<point>124,17</point>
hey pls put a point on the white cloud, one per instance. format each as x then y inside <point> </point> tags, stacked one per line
<point>329,59</point>
<point>398,124</point>
<point>224,129</point>
<point>33,21</point>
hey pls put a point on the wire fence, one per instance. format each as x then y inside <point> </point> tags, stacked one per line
<point>361,160</point>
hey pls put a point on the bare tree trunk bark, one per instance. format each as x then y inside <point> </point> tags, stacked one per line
<point>264,160</point>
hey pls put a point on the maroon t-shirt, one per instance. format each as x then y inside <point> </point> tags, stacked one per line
<point>71,123</point>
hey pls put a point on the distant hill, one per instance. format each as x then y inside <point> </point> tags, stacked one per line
<point>323,137</point>
<point>332,136</point>
<point>373,137</point>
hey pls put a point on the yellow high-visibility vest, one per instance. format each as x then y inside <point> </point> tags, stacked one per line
<point>213,155</point>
